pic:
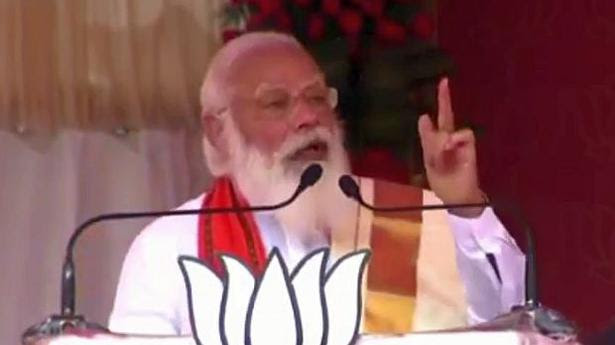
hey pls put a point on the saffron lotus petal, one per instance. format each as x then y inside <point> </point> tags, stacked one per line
<point>205,291</point>
<point>343,295</point>
<point>307,282</point>
<point>239,290</point>
<point>274,318</point>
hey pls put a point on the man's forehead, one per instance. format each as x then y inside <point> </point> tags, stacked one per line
<point>283,66</point>
<point>315,81</point>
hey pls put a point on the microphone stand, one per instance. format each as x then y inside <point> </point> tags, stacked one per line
<point>70,322</point>
<point>531,316</point>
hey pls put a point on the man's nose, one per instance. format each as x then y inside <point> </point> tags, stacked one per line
<point>304,116</point>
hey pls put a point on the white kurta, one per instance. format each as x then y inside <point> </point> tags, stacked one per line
<point>151,296</point>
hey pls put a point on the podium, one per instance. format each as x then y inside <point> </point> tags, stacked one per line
<point>476,337</point>
<point>523,326</point>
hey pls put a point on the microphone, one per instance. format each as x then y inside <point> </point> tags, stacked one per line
<point>309,177</point>
<point>350,188</point>
<point>55,324</point>
<point>547,321</point>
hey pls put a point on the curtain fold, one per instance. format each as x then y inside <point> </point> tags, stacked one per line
<point>103,64</point>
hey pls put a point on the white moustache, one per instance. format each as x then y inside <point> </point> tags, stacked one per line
<point>298,142</point>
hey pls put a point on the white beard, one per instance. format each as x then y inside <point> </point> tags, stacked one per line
<point>262,181</point>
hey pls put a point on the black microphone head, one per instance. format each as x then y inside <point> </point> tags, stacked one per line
<point>311,175</point>
<point>349,187</point>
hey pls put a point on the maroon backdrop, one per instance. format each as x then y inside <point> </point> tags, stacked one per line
<point>539,78</point>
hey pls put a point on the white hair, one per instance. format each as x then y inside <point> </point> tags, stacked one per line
<point>214,95</point>
<point>215,90</point>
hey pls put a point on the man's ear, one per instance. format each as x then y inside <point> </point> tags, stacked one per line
<point>212,129</point>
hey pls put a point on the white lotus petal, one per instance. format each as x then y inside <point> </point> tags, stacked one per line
<point>307,281</point>
<point>204,290</point>
<point>343,295</point>
<point>273,318</point>
<point>239,289</point>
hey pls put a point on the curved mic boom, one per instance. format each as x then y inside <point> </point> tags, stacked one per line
<point>350,188</point>
<point>547,320</point>
<point>67,319</point>
<point>309,177</point>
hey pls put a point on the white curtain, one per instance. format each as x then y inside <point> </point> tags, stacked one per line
<point>98,113</point>
<point>50,185</point>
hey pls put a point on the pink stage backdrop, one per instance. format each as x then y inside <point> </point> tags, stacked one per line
<point>539,78</point>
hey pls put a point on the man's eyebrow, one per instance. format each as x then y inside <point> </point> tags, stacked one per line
<point>266,87</point>
<point>317,80</point>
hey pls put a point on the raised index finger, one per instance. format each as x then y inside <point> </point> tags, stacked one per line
<point>446,118</point>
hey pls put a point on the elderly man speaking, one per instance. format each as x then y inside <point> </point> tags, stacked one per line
<point>267,114</point>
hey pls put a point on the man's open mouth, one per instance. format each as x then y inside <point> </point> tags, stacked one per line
<point>314,151</point>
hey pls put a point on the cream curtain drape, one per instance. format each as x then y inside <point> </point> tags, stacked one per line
<point>98,113</point>
<point>103,63</point>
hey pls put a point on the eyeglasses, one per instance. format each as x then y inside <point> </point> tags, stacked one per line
<point>278,103</point>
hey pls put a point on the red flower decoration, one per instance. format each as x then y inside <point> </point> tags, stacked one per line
<point>354,46</point>
<point>229,34</point>
<point>389,31</point>
<point>267,7</point>
<point>422,26</point>
<point>351,22</point>
<point>284,21</point>
<point>331,7</point>
<point>303,3</point>
<point>256,21</point>
<point>316,26</point>
<point>372,8</point>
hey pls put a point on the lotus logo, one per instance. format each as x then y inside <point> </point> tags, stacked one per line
<point>309,306</point>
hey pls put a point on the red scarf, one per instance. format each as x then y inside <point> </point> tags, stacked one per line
<point>229,233</point>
